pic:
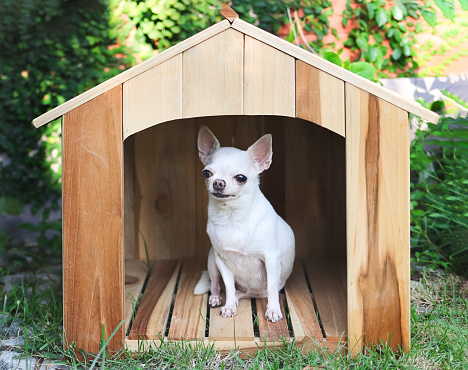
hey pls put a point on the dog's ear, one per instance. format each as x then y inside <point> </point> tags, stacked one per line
<point>261,153</point>
<point>207,143</point>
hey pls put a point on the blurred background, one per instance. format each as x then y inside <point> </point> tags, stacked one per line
<point>53,50</point>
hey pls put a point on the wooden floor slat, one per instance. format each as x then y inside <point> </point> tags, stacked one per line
<point>150,321</point>
<point>135,275</point>
<point>239,328</point>
<point>189,314</point>
<point>329,292</point>
<point>301,307</point>
<point>271,331</point>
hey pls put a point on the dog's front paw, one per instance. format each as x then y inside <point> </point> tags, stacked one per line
<point>215,300</point>
<point>273,314</point>
<point>228,311</point>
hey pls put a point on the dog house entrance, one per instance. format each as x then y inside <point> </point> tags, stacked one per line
<point>165,228</point>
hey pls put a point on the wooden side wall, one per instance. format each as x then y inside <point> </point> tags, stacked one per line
<point>93,271</point>
<point>377,197</point>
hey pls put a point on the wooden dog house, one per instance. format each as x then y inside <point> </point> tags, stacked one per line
<point>132,190</point>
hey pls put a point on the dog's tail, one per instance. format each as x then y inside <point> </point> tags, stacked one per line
<point>203,285</point>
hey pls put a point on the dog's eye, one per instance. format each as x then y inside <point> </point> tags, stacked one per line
<point>240,178</point>
<point>207,174</point>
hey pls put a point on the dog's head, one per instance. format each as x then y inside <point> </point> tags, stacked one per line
<point>230,172</point>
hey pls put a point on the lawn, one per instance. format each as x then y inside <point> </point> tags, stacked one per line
<point>439,326</point>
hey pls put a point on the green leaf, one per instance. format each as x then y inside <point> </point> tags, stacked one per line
<point>464,4</point>
<point>430,17</point>
<point>363,69</point>
<point>397,13</point>
<point>362,41</point>
<point>381,17</point>
<point>419,27</point>
<point>10,206</point>
<point>333,57</point>
<point>396,53</point>
<point>406,50</point>
<point>447,7</point>
<point>378,38</point>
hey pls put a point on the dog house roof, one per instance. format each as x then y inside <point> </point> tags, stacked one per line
<point>255,33</point>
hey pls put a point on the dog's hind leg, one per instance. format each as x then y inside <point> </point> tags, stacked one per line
<point>215,277</point>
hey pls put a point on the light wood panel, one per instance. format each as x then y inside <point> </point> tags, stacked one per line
<point>268,80</point>
<point>315,189</point>
<point>301,307</point>
<point>271,331</point>
<point>130,73</point>
<point>377,151</point>
<point>334,70</point>
<point>235,328</point>
<point>329,290</point>
<point>135,275</point>
<point>320,98</point>
<point>165,157</point>
<point>153,97</point>
<point>213,76</point>
<point>153,312</point>
<point>189,314</point>
<point>93,222</point>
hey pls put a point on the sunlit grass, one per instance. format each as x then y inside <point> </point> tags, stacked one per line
<point>439,337</point>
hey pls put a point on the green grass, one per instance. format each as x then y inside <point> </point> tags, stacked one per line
<point>439,320</point>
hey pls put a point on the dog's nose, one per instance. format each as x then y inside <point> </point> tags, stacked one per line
<point>219,184</point>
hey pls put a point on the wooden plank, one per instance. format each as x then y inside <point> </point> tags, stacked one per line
<point>329,291</point>
<point>334,70</point>
<point>320,98</point>
<point>93,222</point>
<point>271,331</point>
<point>246,347</point>
<point>153,97</point>
<point>213,76</point>
<point>235,328</point>
<point>135,275</point>
<point>268,80</point>
<point>189,313</point>
<point>130,232</point>
<point>130,73</point>
<point>301,307</point>
<point>377,152</point>
<point>151,319</point>
<point>165,157</point>
<point>315,206</point>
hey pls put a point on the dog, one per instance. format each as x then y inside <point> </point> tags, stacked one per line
<point>252,247</point>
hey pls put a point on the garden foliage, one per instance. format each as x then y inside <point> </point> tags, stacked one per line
<point>439,197</point>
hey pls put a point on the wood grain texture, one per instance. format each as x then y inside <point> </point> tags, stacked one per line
<point>150,321</point>
<point>93,222</point>
<point>320,98</point>
<point>334,70</point>
<point>213,76</point>
<point>377,153</point>
<point>130,209</point>
<point>153,97</point>
<point>189,314</point>
<point>268,80</point>
<point>165,157</point>
<point>301,307</point>
<point>235,328</point>
<point>228,13</point>
<point>329,290</point>
<point>135,275</point>
<point>315,189</point>
<point>130,73</point>
<point>271,331</point>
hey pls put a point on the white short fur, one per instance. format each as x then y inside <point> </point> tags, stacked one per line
<point>252,247</point>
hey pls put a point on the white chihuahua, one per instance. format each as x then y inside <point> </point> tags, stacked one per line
<point>252,247</point>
